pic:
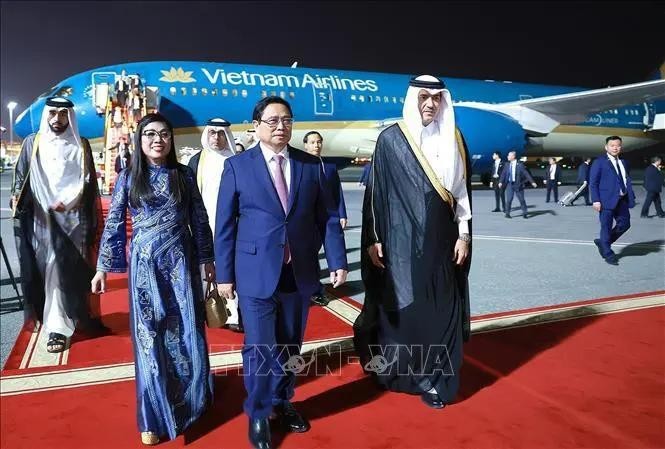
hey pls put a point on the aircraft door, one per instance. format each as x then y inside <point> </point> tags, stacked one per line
<point>323,100</point>
<point>152,98</point>
<point>649,115</point>
<point>102,84</point>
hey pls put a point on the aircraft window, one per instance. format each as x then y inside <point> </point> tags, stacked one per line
<point>204,91</point>
<point>292,95</point>
<point>213,92</point>
<point>401,100</point>
<point>378,99</point>
<point>386,99</point>
<point>394,99</point>
<point>264,94</point>
<point>225,92</point>
<point>282,94</point>
<point>353,97</point>
<point>64,91</point>
<point>370,98</point>
<point>195,91</point>
<point>273,93</point>
<point>243,93</point>
<point>183,90</point>
<point>234,92</point>
<point>173,91</point>
<point>361,98</point>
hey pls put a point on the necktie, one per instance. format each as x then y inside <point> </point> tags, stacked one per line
<point>280,186</point>
<point>620,175</point>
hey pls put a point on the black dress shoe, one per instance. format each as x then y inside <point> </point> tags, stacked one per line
<point>508,216</point>
<point>259,433</point>
<point>235,328</point>
<point>600,250</point>
<point>661,215</point>
<point>320,299</point>
<point>525,216</point>
<point>644,216</point>
<point>612,260</point>
<point>432,400</point>
<point>291,419</point>
<point>496,210</point>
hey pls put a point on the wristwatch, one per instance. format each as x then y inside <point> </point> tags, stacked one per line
<point>464,237</point>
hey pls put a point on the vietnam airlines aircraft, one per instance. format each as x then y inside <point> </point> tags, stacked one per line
<point>351,108</point>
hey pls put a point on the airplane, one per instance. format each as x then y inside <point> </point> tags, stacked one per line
<point>350,108</point>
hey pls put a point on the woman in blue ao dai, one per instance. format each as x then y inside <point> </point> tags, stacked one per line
<point>171,237</point>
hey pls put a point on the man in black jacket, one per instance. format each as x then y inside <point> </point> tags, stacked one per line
<point>653,184</point>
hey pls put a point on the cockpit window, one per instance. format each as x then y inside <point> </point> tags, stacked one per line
<point>58,91</point>
<point>64,91</point>
<point>49,92</point>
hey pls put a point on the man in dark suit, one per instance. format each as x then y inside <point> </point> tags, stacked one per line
<point>313,142</point>
<point>583,180</point>
<point>552,180</point>
<point>270,199</point>
<point>364,176</point>
<point>653,184</point>
<point>612,195</point>
<point>513,177</point>
<point>123,157</point>
<point>499,192</point>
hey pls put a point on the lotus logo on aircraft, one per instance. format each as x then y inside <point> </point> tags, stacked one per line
<point>177,76</point>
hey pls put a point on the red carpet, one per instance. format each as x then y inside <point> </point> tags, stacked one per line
<point>595,382</point>
<point>117,348</point>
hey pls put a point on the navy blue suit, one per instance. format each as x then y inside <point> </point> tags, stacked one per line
<point>330,170</point>
<point>251,232</point>
<point>605,187</point>
<point>552,184</point>
<point>515,187</point>
<point>653,184</point>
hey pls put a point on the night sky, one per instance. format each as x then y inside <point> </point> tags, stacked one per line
<point>578,44</point>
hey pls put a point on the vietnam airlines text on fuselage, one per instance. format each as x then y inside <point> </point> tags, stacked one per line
<point>349,108</point>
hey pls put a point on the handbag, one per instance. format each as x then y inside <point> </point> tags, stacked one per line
<point>216,311</point>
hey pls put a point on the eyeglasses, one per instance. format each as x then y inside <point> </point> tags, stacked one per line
<point>273,121</point>
<point>152,135</point>
<point>219,133</point>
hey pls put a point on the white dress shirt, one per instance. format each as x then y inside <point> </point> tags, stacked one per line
<point>268,155</point>
<point>621,171</point>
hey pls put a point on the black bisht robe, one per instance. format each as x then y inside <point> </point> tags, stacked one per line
<point>410,331</point>
<point>75,270</point>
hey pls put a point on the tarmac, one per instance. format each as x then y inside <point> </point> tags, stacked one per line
<point>547,259</point>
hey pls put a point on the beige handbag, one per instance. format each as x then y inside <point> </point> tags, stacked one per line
<point>216,311</point>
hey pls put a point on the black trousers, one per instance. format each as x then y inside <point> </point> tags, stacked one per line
<point>552,186</point>
<point>655,198</point>
<point>499,195</point>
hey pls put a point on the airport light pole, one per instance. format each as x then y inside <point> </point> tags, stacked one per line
<point>11,105</point>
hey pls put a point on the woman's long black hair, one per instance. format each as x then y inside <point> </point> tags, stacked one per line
<point>140,189</point>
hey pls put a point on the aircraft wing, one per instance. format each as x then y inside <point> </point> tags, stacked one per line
<point>542,115</point>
